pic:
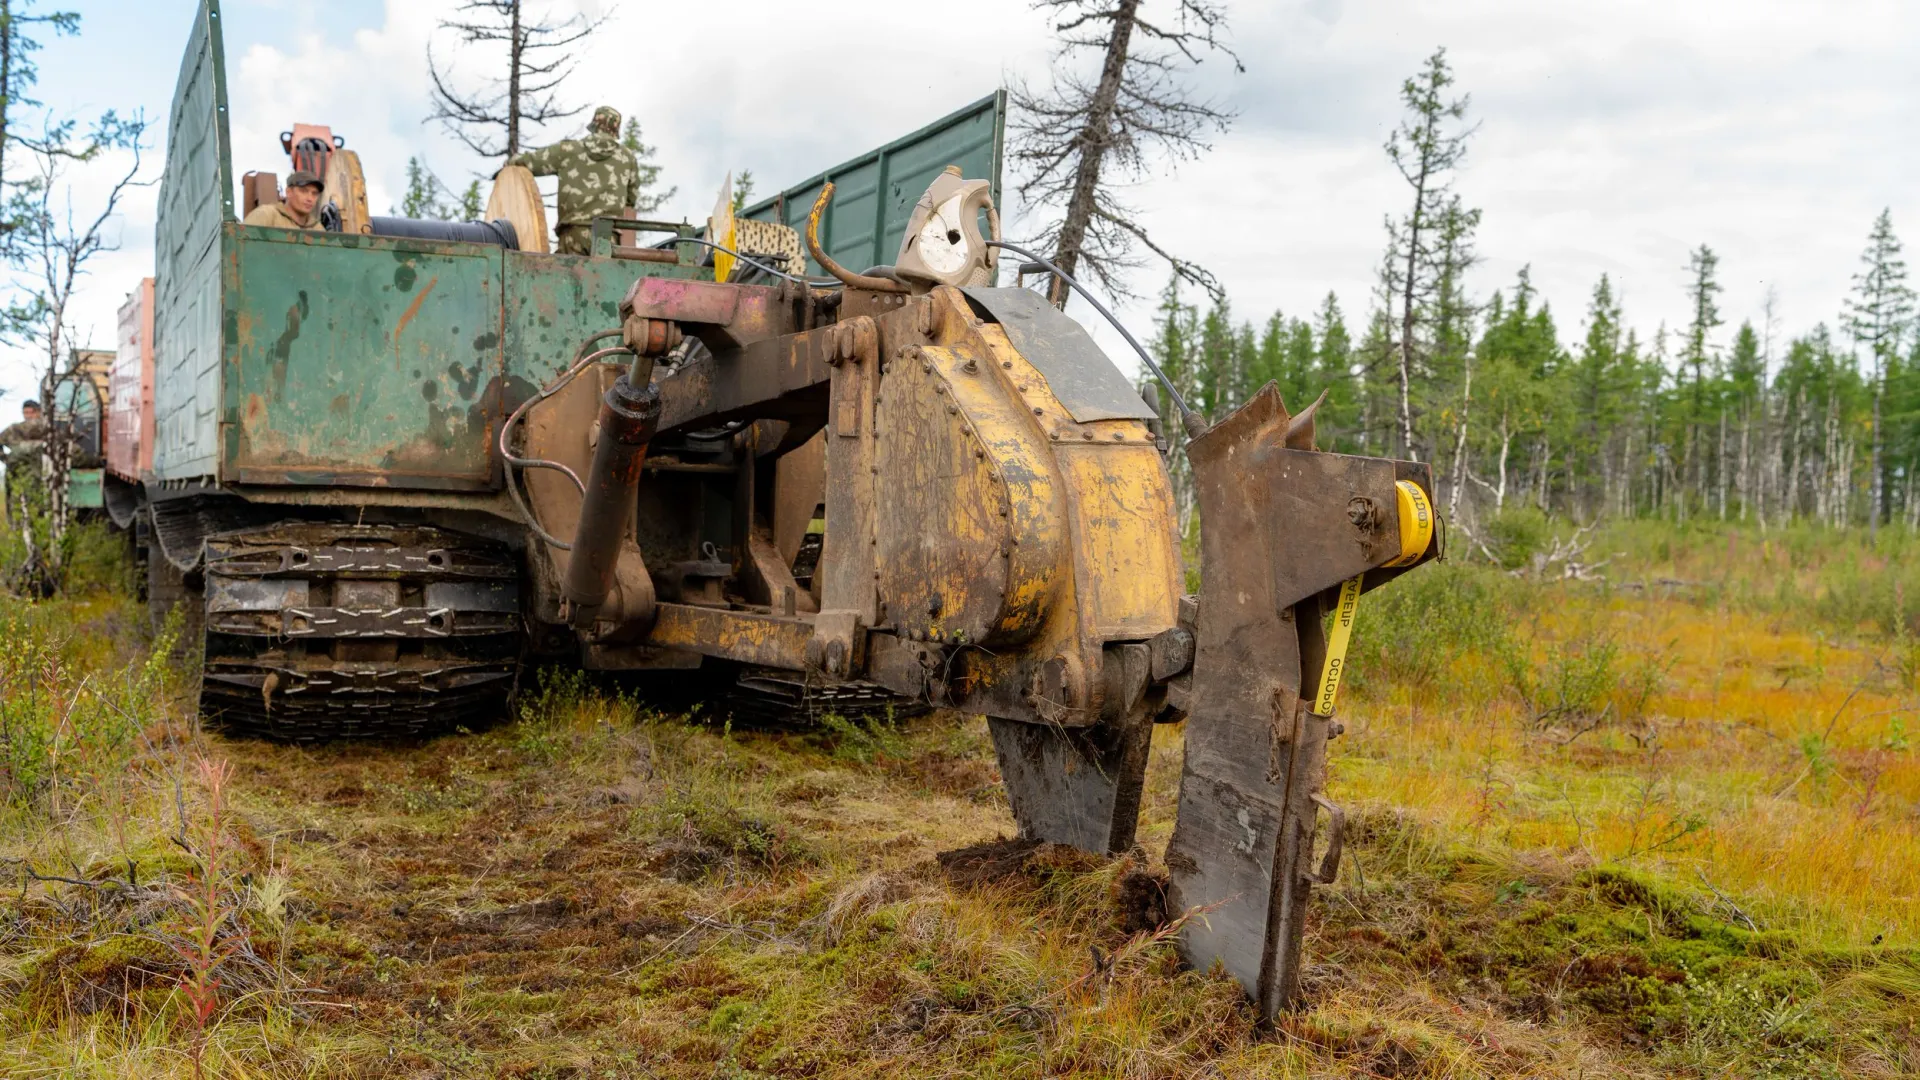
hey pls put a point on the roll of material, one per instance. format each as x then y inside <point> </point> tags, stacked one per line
<point>516,197</point>
<point>497,233</point>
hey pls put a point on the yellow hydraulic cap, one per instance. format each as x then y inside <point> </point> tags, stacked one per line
<point>1416,523</point>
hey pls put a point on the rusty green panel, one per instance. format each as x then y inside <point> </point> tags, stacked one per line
<point>84,489</point>
<point>195,200</point>
<point>360,360</point>
<point>555,302</point>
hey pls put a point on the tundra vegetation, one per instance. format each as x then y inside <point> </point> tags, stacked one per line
<point>1661,824</point>
<point>1632,782</point>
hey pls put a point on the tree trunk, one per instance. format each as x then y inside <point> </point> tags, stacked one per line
<point>1743,482</point>
<point>6,84</point>
<point>1720,466</point>
<point>1460,443</point>
<point>1540,473</point>
<point>1877,485</point>
<point>1406,316</point>
<point>1506,443</point>
<point>1093,147</point>
<point>515,46</point>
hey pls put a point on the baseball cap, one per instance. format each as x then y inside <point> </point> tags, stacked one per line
<point>303,178</point>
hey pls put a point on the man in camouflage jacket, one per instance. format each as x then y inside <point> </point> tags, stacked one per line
<point>598,176</point>
<point>20,446</point>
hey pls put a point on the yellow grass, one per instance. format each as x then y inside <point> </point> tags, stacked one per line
<point>1826,840</point>
<point>1713,873</point>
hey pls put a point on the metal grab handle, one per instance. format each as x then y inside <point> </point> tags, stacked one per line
<point>1336,839</point>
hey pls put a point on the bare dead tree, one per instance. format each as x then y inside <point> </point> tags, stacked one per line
<point>53,244</point>
<point>1080,140</point>
<point>19,73</point>
<point>491,119</point>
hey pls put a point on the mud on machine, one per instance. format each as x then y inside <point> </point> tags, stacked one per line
<point>391,471</point>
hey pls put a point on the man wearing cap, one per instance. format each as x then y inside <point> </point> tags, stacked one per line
<point>20,446</point>
<point>598,178</point>
<point>300,211</point>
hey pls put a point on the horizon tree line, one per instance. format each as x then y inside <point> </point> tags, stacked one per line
<point>1691,423</point>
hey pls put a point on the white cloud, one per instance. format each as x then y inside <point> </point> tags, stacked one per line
<point>1614,137</point>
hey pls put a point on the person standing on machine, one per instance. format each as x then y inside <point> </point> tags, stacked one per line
<point>299,211</point>
<point>598,178</point>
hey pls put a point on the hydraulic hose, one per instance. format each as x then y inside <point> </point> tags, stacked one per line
<point>858,281</point>
<point>629,416</point>
<point>1192,421</point>
<point>584,357</point>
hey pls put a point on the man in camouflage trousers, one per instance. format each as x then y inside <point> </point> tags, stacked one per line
<point>598,176</point>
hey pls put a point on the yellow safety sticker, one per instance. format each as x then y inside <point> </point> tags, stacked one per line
<point>1337,641</point>
<point>1416,523</point>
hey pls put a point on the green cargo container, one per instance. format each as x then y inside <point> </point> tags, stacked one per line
<point>875,192</point>
<point>297,361</point>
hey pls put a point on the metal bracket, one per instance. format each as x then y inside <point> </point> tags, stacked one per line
<point>1336,840</point>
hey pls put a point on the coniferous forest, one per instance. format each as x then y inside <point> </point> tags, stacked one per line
<point>1580,416</point>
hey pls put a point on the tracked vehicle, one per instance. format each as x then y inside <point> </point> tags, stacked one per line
<point>391,472</point>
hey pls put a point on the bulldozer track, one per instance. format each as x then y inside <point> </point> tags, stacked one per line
<point>318,631</point>
<point>772,697</point>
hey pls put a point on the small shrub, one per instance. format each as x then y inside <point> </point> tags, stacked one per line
<point>95,561</point>
<point>1574,683</point>
<point>1417,628</point>
<point>863,739</point>
<point>61,724</point>
<point>1515,535</point>
<point>565,704</point>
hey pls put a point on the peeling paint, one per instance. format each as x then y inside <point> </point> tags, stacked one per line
<point>336,395</point>
<point>413,308</point>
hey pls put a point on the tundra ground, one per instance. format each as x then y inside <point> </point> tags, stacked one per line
<point>1664,826</point>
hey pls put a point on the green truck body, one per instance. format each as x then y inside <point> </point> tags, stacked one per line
<point>295,363</point>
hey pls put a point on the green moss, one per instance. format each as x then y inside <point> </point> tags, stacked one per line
<point>730,1016</point>
<point>1625,888</point>
<point>511,1003</point>
<point>121,975</point>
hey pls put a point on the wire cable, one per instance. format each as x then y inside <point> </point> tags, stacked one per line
<point>513,461</point>
<point>753,262</point>
<point>1189,419</point>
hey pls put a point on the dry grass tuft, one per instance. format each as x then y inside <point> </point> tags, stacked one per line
<point>1638,832</point>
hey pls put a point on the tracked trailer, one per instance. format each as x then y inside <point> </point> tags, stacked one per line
<point>392,472</point>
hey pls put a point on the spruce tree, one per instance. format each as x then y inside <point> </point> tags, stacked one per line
<point>1338,421</point>
<point>1877,316</point>
<point>1699,359</point>
<point>649,199</point>
<point>1430,245</point>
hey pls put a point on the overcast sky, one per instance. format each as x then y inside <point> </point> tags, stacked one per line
<point>1613,136</point>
